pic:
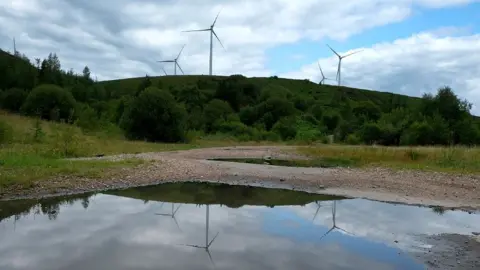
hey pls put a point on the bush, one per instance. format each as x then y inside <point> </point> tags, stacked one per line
<point>353,139</point>
<point>49,102</point>
<point>286,128</point>
<point>155,116</point>
<point>13,99</point>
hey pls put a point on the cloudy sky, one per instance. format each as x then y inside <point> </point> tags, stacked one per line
<point>410,46</point>
<point>123,233</point>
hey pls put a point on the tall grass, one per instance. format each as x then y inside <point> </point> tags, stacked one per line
<point>447,159</point>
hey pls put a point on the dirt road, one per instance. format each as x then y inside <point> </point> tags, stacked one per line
<point>412,187</point>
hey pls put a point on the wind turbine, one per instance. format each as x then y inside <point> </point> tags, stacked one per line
<point>207,243</point>
<point>175,61</point>
<point>316,212</point>
<point>340,57</point>
<point>322,81</point>
<point>334,211</point>
<point>212,33</point>
<point>172,215</point>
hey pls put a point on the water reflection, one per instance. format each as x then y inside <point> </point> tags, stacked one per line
<point>133,229</point>
<point>207,242</point>
<point>172,214</point>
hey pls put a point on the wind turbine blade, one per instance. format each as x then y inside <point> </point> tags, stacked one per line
<point>195,246</point>
<point>212,240</point>
<point>344,231</point>
<point>218,39</point>
<point>351,53</point>
<point>179,205</point>
<point>176,223</point>
<point>166,61</point>
<point>199,30</point>
<point>183,74</point>
<point>180,52</point>
<point>165,74</point>
<point>216,18</point>
<point>321,71</point>
<point>333,50</point>
<point>210,256</point>
<point>165,215</point>
<point>326,233</point>
<point>316,212</point>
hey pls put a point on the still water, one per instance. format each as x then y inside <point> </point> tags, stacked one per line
<point>207,226</point>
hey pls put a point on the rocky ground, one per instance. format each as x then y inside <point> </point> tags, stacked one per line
<point>412,187</point>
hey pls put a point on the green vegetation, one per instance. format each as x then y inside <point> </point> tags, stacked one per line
<point>223,194</point>
<point>452,159</point>
<point>188,193</point>
<point>72,115</point>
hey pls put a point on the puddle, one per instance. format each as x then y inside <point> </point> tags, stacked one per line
<point>206,226</point>
<point>317,163</point>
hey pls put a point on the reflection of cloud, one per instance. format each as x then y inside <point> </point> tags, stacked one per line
<point>386,223</point>
<point>121,233</point>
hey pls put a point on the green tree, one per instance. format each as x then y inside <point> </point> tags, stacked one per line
<point>12,99</point>
<point>155,116</point>
<point>48,100</point>
<point>216,110</point>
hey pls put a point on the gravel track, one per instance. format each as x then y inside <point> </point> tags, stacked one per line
<point>411,187</point>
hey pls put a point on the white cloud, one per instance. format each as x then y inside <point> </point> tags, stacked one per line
<point>122,38</point>
<point>414,65</point>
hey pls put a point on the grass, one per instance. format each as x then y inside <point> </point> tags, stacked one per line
<point>36,150</point>
<point>443,159</point>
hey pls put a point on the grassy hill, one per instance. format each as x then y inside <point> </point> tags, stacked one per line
<point>326,94</point>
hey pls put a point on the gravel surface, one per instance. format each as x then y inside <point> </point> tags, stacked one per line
<point>412,187</point>
<point>451,251</point>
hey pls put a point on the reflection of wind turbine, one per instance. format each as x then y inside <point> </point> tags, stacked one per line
<point>172,215</point>
<point>316,212</point>
<point>207,243</point>
<point>212,33</point>
<point>334,211</point>
<point>340,62</point>
<point>175,61</point>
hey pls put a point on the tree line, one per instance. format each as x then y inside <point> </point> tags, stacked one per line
<point>150,109</point>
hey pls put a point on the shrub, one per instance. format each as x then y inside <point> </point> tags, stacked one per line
<point>12,99</point>
<point>49,102</point>
<point>286,128</point>
<point>155,116</point>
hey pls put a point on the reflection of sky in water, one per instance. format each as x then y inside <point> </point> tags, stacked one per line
<point>122,233</point>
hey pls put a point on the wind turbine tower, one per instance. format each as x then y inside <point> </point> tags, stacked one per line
<point>14,47</point>
<point>212,33</point>
<point>340,57</point>
<point>175,61</point>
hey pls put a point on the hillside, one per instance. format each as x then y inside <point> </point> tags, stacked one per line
<point>330,95</point>
<point>185,108</point>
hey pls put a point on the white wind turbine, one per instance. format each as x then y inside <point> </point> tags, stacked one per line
<point>322,81</point>
<point>175,61</point>
<point>212,33</point>
<point>340,57</point>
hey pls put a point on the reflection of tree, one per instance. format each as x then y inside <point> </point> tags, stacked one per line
<point>172,214</point>
<point>48,206</point>
<point>334,212</point>
<point>439,210</point>
<point>207,243</point>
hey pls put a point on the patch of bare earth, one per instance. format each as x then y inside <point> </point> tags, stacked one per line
<point>413,187</point>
